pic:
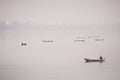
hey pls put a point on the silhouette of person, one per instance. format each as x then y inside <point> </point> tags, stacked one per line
<point>101,57</point>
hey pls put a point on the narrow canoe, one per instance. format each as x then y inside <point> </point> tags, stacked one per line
<point>93,60</point>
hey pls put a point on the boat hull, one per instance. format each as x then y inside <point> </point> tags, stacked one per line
<point>93,60</point>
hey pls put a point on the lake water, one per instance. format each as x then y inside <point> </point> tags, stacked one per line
<point>58,53</point>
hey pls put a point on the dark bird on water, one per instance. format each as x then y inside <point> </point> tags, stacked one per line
<point>23,44</point>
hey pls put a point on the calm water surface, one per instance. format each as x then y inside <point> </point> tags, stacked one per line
<point>55,55</point>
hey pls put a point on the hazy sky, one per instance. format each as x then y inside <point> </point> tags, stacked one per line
<point>60,11</point>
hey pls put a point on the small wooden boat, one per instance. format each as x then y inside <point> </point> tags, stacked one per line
<point>94,60</point>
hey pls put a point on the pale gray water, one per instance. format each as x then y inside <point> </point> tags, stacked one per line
<point>61,59</point>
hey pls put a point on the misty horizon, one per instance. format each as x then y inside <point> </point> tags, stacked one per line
<point>56,39</point>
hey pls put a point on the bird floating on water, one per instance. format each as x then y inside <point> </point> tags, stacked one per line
<point>23,44</point>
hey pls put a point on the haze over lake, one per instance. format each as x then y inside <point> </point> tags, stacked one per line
<point>57,52</point>
<point>49,39</point>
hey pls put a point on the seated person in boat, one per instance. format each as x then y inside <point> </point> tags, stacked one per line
<point>101,57</point>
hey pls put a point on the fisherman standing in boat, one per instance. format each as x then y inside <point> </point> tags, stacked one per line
<point>101,57</point>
